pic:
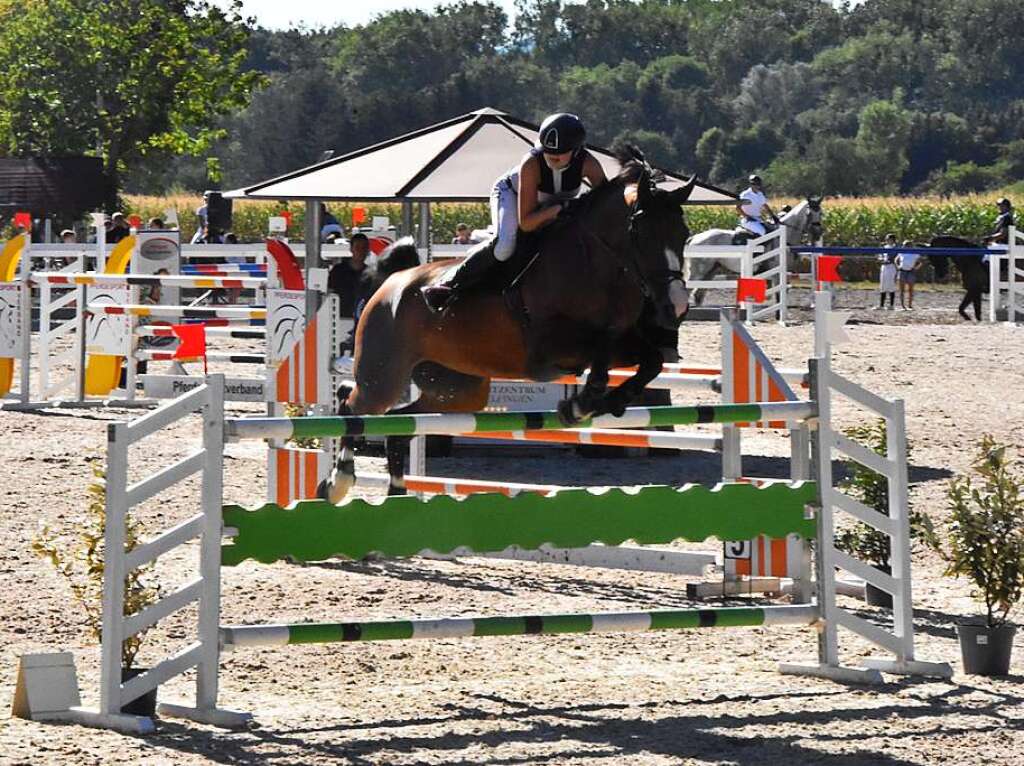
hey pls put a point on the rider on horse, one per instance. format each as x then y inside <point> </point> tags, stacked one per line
<point>752,208</point>
<point>1001,232</point>
<point>528,197</point>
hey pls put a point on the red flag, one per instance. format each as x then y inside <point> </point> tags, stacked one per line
<point>358,215</point>
<point>24,220</point>
<point>135,222</point>
<point>752,290</point>
<point>193,340</point>
<point>828,268</point>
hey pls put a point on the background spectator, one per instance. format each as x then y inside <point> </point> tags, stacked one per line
<point>119,228</point>
<point>908,264</point>
<point>330,228</point>
<point>345,278</point>
<point>887,274</point>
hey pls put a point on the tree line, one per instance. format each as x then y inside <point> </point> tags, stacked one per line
<point>888,96</point>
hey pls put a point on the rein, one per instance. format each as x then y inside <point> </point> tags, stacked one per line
<point>632,262</point>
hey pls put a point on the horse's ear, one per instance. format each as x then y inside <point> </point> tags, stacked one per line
<point>680,195</point>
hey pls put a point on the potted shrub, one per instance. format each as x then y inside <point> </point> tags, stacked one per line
<point>81,564</point>
<point>872,489</point>
<point>985,542</point>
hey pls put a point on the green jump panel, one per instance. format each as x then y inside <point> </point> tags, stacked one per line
<point>315,530</point>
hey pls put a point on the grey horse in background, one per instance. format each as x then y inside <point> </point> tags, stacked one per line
<point>803,226</point>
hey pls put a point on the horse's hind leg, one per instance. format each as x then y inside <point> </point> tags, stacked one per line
<point>441,390</point>
<point>382,375</point>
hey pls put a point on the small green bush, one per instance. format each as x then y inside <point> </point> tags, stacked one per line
<point>985,539</point>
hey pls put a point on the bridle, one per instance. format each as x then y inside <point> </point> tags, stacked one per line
<point>632,260</point>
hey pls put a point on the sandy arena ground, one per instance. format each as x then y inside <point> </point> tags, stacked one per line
<point>655,698</point>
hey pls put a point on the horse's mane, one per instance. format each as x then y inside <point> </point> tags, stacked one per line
<point>633,167</point>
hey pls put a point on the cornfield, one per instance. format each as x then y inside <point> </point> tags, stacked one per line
<point>853,221</point>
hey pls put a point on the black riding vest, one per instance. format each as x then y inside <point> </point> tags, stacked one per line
<point>555,185</point>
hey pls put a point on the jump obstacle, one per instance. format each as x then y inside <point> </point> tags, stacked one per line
<point>745,375</point>
<point>406,526</point>
<point>108,327</point>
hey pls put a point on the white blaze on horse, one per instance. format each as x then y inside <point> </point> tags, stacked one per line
<point>803,226</point>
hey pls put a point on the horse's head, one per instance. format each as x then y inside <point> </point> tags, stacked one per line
<point>941,262</point>
<point>804,221</point>
<point>658,234</point>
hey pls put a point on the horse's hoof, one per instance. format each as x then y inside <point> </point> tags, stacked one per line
<point>337,487</point>
<point>568,413</point>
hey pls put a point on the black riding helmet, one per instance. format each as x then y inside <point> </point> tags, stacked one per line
<point>561,133</point>
<point>1004,201</point>
<point>755,181</point>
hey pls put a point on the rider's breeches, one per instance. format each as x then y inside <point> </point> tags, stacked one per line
<point>505,218</point>
<point>754,225</point>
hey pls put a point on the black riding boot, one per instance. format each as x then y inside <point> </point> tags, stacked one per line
<point>469,274</point>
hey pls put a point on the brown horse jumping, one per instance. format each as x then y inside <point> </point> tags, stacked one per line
<point>605,281</point>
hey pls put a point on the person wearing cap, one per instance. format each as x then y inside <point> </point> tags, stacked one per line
<point>118,228</point>
<point>1000,234</point>
<point>753,206</point>
<point>528,197</point>
<point>202,216</point>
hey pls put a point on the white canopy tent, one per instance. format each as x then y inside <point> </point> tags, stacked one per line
<point>457,160</point>
<point>453,161</point>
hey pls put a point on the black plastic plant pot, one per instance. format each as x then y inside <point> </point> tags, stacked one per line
<point>875,596</point>
<point>986,651</point>
<point>144,705</point>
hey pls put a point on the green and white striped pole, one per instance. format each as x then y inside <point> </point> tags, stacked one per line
<point>241,636</point>
<point>454,424</point>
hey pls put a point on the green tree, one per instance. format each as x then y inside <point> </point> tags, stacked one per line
<point>121,78</point>
<point>882,139</point>
<point>604,96</point>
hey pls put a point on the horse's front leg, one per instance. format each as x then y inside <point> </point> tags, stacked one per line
<point>587,402</point>
<point>616,401</point>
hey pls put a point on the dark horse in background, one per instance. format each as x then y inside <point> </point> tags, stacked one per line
<point>974,273</point>
<point>604,282</point>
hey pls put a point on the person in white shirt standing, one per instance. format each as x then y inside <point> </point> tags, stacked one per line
<point>753,206</point>
<point>887,274</point>
<point>908,264</point>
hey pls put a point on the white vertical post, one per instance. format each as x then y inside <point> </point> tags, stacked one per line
<point>423,234</point>
<point>732,458</point>
<point>81,326</point>
<point>114,568</point>
<point>418,458</point>
<point>98,219</point>
<point>1011,276</point>
<point>130,342</point>
<point>746,271</point>
<point>209,552</point>
<point>993,287</point>
<point>45,300</point>
<point>821,448</point>
<point>25,352</point>
<point>783,297</point>
<point>899,544</point>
